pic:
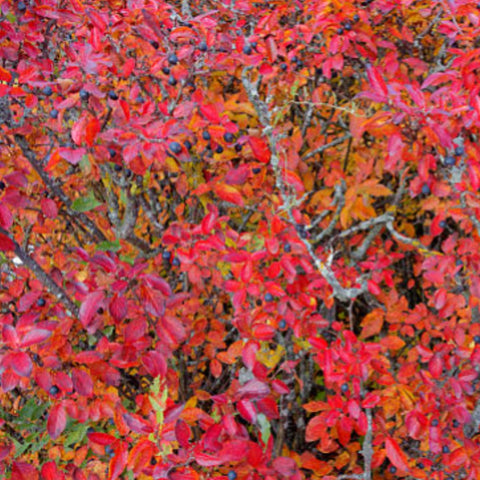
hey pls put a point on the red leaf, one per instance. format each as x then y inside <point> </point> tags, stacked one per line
<point>182,433</point>
<point>247,411</point>
<point>37,335</point>
<point>6,217</point>
<point>396,455</point>
<point>118,462</point>
<point>51,472</point>
<point>293,180</point>
<point>376,82</point>
<point>89,307</point>
<point>21,363</point>
<point>254,389</point>
<point>101,438</point>
<point>82,382</point>
<point>6,243</point>
<point>285,466</point>
<point>210,113</point>
<point>23,471</point>
<point>158,283</point>
<point>57,421</point>
<point>118,308</point>
<point>91,131</point>
<point>260,149</point>
<point>272,51</point>
<point>155,364</point>
<point>49,208</point>
<point>137,423</point>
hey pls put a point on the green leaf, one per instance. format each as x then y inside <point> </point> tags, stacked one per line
<point>85,204</point>
<point>264,425</point>
<point>109,246</point>
<point>76,434</point>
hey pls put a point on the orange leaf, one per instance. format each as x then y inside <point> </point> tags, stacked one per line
<point>229,193</point>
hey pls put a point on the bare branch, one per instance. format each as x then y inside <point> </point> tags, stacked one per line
<point>43,276</point>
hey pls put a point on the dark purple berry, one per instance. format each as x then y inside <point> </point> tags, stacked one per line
<point>219,149</point>
<point>202,46</point>
<point>425,189</point>
<point>340,31</point>
<point>238,147</point>
<point>172,59</point>
<point>282,324</point>
<point>287,248</point>
<point>41,302</point>
<point>449,160</point>
<point>231,475</point>
<point>84,94</point>
<point>166,255</point>
<point>188,144</point>
<point>268,297</point>
<point>176,262</point>
<point>344,388</point>
<point>154,44</point>
<point>54,113</point>
<point>165,70</point>
<point>256,170</point>
<point>113,95</point>
<point>47,90</point>
<point>172,81</point>
<point>206,135</point>
<point>459,151</point>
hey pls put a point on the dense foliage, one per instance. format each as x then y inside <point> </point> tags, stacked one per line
<point>239,239</point>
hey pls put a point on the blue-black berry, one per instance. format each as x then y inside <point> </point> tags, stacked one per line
<point>228,137</point>
<point>340,31</point>
<point>219,149</point>
<point>393,469</point>
<point>231,475</point>
<point>166,255</point>
<point>256,170</point>
<point>112,152</point>
<point>435,422</point>
<point>356,17</point>
<point>344,388</point>
<point>176,262</point>
<point>202,46</point>
<point>154,44</point>
<point>247,49</point>
<point>425,189</point>
<point>283,66</point>
<point>449,160</point>
<point>287,248</point>
<point>445,449</point>
<point>54,113</point>
<point>282,324</point>
<point>172,80</point>
<point>348,26</point>
<point>47,90</point>
<point>41,302</point>
<point>238,147</point>
<point>53,390</point>
<point>21,6</point>
<point>113,95</point>
<point>175,147</point>
<point>268,297</point>
<point>206,135</point>
<point>172,59</point>
<point>476,339</point>
<point>84,94</point>
<point>165,70</point>
<point>459,150</point>
<point>188,144</point>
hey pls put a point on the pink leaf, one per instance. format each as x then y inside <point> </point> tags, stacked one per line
<point>35,336</point>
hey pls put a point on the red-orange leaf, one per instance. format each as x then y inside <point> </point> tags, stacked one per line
<point>396,455</point>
